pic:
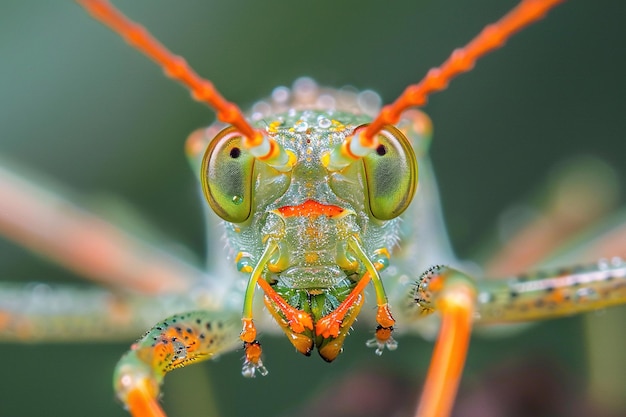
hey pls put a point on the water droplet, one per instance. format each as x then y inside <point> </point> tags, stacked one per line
<point>603,264</point>
<point>237,199</point>
<point>261,108</point>
<point>304,86</point>
<point>280,94</point>
<point>325,101</point>
<point>323,122</point>
<point>301,126</point>
<point>484,297</point>
<point>586,294</point>
<point>369,101</point>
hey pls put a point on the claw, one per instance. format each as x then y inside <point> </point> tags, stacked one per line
<point>249,369</point>
<point>383,339</point>
<point>253,362</point>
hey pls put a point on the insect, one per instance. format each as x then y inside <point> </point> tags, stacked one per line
<point>441,134</point>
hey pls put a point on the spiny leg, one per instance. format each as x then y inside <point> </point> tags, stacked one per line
<point>51,225</point>
<point>572,226</point>
<point>453,295</point>
<point>460,300</point>
<point>39,312</point>
<point>175,342</point>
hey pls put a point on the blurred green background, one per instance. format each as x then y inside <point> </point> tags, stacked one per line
<point>79,105</point>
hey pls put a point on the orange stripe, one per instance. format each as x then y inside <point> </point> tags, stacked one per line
<point>311,208</point>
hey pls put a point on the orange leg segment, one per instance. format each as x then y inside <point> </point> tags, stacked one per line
<point>328,326</point>
<point>142,404</point>
<point>298,319</point>
<point>453,295</point>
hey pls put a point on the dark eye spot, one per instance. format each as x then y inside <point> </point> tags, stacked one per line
<point>381,150</point>
<point>235,153</point>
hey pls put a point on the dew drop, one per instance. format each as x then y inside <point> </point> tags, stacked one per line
<point>603,264</point>
<point>325,101</point>
<point>237,199</point>
<point>280,94</point>
<point>586,294</point>
<point>323,122</point>
<point>301,126</point>
<point>617,262</point>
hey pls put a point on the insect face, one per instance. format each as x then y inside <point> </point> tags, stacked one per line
<point>311,231</point>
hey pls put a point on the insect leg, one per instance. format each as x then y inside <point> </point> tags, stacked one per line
<point>461,300</point>
<point>173,343</point>
<point>51,225</point>
<point>298,320</point>
<point>38,312</point>
<point>453,295</point>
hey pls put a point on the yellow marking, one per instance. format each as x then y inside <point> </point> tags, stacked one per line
<point>311,257</point>
<point>273,126</point>
<point>325,159</point>
<point>382,251</point>
<point>292,158</point>
<point>337,126</point>
<point>345,263</point>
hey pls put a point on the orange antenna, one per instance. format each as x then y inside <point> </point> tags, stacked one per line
<point>175,67</point>
<point>462,60</point>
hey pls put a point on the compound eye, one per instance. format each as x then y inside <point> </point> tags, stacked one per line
<point>390,174</point>
<point>226,175</point>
